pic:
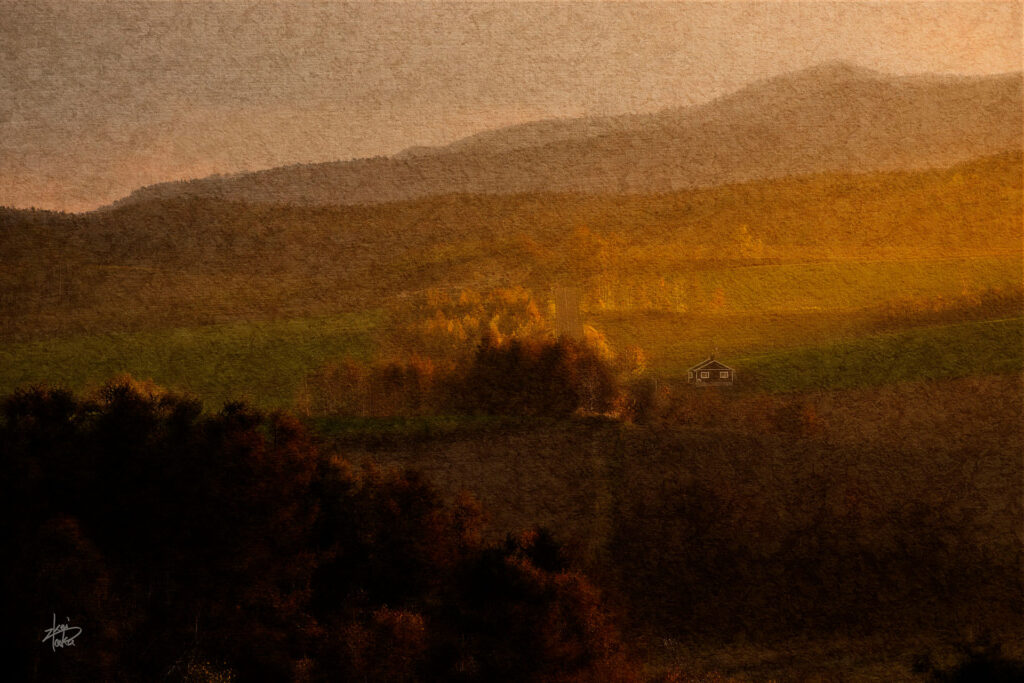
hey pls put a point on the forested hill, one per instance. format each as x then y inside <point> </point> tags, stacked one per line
<point>834,117</point>
<point>974,205</point>
<point>162,259</point>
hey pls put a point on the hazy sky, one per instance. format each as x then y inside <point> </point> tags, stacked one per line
<point>99,98</point>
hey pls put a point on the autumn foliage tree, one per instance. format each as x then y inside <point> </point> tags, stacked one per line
<point>446,325</point>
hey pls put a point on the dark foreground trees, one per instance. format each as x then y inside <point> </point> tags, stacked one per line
<point>190,546</point>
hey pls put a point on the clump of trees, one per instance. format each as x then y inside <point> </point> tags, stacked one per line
<point>197,546</point>
<point>546,378</point>
<point>446,324</point>
<point>505,375</point>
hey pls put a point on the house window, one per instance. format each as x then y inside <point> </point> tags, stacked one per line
<point>724,374</point>
<point>691,374</point>
<point>704,374</point>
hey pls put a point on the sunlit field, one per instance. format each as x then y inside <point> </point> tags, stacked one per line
<point>262,363</point>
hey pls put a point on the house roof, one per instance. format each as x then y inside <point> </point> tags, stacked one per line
<point>710,364</point>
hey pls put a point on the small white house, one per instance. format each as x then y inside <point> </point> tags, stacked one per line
<point>711,373</point>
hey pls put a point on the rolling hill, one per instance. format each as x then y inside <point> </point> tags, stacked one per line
<point>834,117</point>
<point>186,261</point>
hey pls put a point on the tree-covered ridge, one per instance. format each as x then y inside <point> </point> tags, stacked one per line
<point>189,261</point>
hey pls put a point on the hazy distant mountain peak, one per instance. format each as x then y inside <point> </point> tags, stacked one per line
<point>836,69</point>
<point>834,116</point>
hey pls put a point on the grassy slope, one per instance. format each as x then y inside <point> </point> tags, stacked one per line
<point>782,352</point>
<point>264,362</point>
<point>260,362</point>
<point>804,309</point>
<point>948,351</point>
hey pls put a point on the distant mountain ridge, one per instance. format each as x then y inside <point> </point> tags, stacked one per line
<point>833,117</point>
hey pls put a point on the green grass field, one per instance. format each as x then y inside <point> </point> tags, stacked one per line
<point>673,342</point>
<point>942,352</point>
<point>262,363</point>
<point>815,308</point>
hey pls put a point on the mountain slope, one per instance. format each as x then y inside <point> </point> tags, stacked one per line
<point>829,118</point>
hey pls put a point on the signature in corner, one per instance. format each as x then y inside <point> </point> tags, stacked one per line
<point>62,635</point>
